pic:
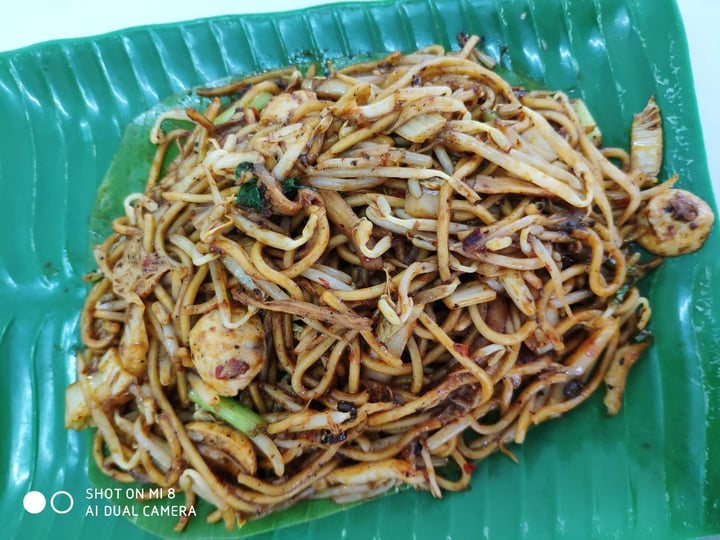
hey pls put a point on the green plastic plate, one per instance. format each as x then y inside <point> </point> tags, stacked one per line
<point>651,472</point>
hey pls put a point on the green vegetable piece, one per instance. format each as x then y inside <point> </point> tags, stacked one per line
<point>633,276</point>
<point>250,196</point>
<point>642,336</point>
<point>587,121</point>
<point>260,101</point>
<point>245,166</point>
<point>489,116</point>
<point>290,188</point>
<point>620,295</point>
<point>238,416</point>
<point>226,115</point>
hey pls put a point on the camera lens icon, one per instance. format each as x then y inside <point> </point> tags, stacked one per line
<point>35,502</point>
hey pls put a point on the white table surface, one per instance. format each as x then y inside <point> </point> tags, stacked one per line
<point>33,21</point>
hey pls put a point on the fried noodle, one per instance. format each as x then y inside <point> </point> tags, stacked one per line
<point>397,268</point>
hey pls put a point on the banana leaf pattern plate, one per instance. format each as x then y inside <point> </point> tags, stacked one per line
<point>651,472</point>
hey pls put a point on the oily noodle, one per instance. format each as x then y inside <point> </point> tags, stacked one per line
<point>448,266</point>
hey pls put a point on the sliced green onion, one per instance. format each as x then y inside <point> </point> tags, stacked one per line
<point>259,101</point>
<point>489,116</point>
<point>226,115</point>
<point>587,121</point>
<point>238,416</point>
